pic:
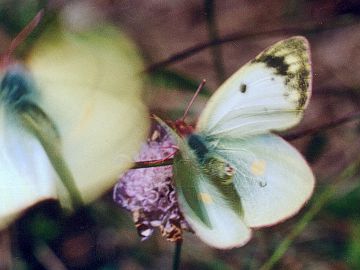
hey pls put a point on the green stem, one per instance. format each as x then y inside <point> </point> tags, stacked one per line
<point>318,204</point>
<point>43,129</point>
<point>177,255</point>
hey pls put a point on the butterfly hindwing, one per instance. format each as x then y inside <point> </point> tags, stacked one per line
<point>272,178</point>
<point>217,223</point>
<point>268,93</point>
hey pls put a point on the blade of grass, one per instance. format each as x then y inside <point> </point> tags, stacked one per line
<point>318,203</point>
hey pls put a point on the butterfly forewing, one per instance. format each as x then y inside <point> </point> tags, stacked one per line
<point>268,93</point>
<point>92,90</point>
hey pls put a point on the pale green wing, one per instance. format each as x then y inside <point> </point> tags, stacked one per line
<point>90,86</point>
<point>24,169</point>
<point>223,228</point>
<point>272,178</point>
<point>268,93</point>
<point>205,208</point>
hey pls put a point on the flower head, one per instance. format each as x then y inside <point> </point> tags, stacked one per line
<point>149,193</point>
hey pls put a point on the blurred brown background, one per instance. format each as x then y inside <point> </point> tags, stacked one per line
<point>103,236</point>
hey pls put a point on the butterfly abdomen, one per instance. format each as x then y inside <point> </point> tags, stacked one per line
<point>219,170</point>
<point>214,167</point>
<point>221,175</point>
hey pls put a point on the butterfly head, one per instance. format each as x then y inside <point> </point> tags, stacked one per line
<point>182,128</point>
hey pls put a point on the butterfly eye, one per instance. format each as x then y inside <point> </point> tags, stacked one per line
<point>229,170</point>
<point>243,88</point>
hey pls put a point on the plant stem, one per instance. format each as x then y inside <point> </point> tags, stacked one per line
<point>332,124</point>
<point>318,204</point>
<point>177,255</point>
<point>152,163</point>
<point>217,56</point>
<point>307,29</point>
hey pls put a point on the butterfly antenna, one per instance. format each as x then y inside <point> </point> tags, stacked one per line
<point>22,36</point>
<point>201,86</point>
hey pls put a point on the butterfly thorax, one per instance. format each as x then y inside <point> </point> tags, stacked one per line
<point>198,146</point>
<point>214,166</point>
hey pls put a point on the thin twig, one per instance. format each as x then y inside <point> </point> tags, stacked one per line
<point>213,34</point>
<point>236,37</point>
<point>152,163</point>
<point>332,124</point>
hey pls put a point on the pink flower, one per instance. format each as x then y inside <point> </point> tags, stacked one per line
<point>149,193</point>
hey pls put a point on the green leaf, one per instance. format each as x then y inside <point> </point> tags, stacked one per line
<point>353,250</point>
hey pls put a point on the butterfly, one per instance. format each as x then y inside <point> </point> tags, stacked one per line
<point>73,109</point>
<point>231,173</point>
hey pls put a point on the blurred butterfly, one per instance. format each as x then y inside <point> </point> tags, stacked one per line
<point>231,172</point>
<point>73,110</point>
